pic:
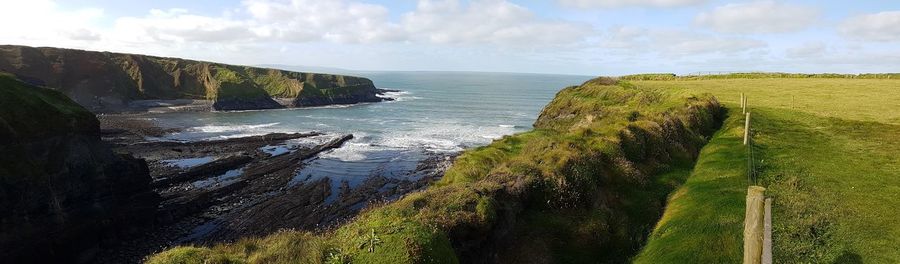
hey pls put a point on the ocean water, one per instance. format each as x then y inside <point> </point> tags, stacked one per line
<point>434,112</point>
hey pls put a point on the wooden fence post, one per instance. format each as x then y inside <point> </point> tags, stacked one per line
<point>767,234</point>
<point>747,129</point>
<point>753,225</point>
<point>742,102</point>
<point>745,105</point>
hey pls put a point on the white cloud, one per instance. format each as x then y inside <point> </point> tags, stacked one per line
<point>807,50</point>
<point>178,25</point>
<point>686,43</point>
<point>759,17</point>
<point>492,22</point>
<point>676,42</point>
<point>33,22</point>
<point>628,3</point>
<point>626,38</point>
<point>334,20</point>
<point>466,35</point>
<point>487,21</point>
<point>286,31</point>
<point>883,26</point>
<point>433,21</point>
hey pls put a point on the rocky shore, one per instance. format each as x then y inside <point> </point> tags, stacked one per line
<point>86,188</point>
<point>220,190</point>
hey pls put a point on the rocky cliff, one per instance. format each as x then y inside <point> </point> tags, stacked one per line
<point>107,82</point>
<point>63,192</point>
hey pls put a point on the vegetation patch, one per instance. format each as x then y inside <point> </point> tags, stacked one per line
<point>40,112</point>
<point>703,221</point>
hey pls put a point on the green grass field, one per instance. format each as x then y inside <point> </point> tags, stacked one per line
<point>827,149</point>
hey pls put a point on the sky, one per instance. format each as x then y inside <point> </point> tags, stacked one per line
<point>583,37</point>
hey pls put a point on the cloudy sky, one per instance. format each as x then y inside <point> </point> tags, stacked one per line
<point>590,37</point>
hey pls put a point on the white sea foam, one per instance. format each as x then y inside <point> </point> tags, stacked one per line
<point>212,132</point>
<point>400,96</point>
<point>425,142</point>
<point>444,136</point>
<point>231,128</point>
<point>352,151</point>
<point>407,98</point>
<point>333,106</point>
<point>396,94</point>
<point>309,142</point>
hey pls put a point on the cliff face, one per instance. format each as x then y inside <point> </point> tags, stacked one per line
<point>62,191</point>
<point>103,81</point>
<point>347,90</point>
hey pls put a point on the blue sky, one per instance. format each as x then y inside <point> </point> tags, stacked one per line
<point>589,37</point>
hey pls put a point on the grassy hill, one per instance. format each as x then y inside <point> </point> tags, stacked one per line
<point>827,150</point>
<point>606,158</point>
<point>587,184</point>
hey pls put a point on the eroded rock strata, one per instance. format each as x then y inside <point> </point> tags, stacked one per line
<point>116,82</point>
<point>221,190</point>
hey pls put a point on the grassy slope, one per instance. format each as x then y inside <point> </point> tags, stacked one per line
<point>828,151</point>
<point>580,236</point>
<point>703,221</point>
<point>234,85</point>
<point>35,107</point>
<point>603,156</point>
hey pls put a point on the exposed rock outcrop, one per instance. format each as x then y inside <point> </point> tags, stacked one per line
<point>107,82</point>
<point>221,190</point>
<point>63,192</point>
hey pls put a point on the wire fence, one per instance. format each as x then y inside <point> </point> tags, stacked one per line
<point>707,73</point>
<point>758,218</point>
<point>752,170</point>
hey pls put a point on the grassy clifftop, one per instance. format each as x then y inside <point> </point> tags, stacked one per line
<point>29,112</point>
<point>825,148</point>
<point>107,81</point>
<point>589,181</point>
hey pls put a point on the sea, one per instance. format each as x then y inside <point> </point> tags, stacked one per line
<point>432,112</point>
